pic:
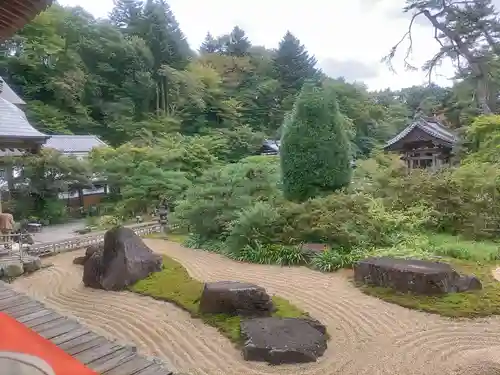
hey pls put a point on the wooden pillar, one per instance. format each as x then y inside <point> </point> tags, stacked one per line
<point>80,196</point>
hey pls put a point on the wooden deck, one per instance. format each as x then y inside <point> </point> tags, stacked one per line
<point>96,352</point>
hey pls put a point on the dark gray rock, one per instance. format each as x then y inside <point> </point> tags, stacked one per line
<point>411,275</point>
<point>124,260</point>
<point>92,271</point>
<point>235,298</point>
<point>316,324</point>
<point>468,282</point>
<point>282,340</point>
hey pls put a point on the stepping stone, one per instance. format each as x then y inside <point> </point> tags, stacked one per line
<point>235,298</point>
<point>283,340</point>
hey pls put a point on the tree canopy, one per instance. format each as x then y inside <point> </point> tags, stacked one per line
<point>135,74</point>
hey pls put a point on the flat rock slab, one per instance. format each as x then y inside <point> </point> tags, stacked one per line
<point>412,275</point>
<point>282,340</point>
<point>235,298</point>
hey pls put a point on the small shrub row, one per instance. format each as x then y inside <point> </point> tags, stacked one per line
<point>402,245</point>
<point>329,260</point>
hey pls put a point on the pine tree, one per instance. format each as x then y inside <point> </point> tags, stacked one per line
<point>314,152</point>
<point>210,45</point>
<point>126,14</point>
<point>238,43</point>
<point>164,36</point>
<point>293,64</point>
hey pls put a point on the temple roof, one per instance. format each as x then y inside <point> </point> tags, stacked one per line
<point>14,14</point>
<point>74,144</point>
<point>429,126</point>
<point>15,125</point>
<point>8,94</point>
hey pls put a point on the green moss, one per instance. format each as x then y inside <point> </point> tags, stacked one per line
<point>467,305</point>
<point>173,284</point>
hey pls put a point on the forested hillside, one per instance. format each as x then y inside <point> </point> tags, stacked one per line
<point>135,74</point>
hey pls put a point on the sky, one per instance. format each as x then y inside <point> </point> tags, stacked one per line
<point>348,38</point>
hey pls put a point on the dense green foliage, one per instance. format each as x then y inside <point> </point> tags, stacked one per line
<point>173,284</point>
<point>135,74</point>
<point>315,154</point>
<point>210,206</point>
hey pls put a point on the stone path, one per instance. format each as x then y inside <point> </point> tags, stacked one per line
<point>368,336</point>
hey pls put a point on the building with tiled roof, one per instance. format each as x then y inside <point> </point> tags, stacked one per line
<point>74,145</point>
<point>16,133</point>
<point>425,143</point>
<point>8,94</point>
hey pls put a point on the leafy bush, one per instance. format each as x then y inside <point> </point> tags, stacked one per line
<point>108,221</point>
<point>350,220</point>
<point>270,254</point>
<point>194,241</point>
<point>335,259</point>
<point>216,199</point>
<point>260,223</point>
<point>460,200</point>
<point>406,246</point>
<point>483,139</point>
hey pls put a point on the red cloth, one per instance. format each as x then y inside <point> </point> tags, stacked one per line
<point>16,337</point>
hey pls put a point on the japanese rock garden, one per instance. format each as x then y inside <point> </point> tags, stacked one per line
<point>304,223</point>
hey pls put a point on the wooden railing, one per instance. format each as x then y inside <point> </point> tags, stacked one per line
<point>50,248</point>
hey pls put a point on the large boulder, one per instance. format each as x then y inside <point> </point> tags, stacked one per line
<point>283,340</point>
<point>124,260</point>
<point>412,275</point>
<point>235,298</point>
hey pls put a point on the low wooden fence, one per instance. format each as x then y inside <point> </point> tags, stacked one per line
<point>50,248</point>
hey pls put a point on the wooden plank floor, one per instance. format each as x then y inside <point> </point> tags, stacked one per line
<point>96,352</point>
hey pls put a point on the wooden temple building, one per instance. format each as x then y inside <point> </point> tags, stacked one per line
<point>425,143</point>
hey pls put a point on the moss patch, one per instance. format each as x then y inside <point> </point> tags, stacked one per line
<point>173,284</point>
<point>466,305</point>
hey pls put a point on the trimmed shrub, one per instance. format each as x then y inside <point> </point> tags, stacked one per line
<point>335,259</point>
<point>315,149</point>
